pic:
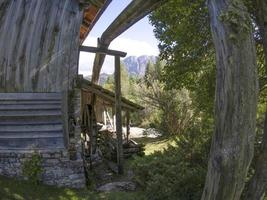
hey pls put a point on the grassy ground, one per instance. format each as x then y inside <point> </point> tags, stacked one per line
<point>154,144</point>
<point>11,189</point>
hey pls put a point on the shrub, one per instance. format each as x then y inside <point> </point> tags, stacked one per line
<point>179,172</point>
<point>32,168</point>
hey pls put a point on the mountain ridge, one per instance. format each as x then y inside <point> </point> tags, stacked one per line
<point>135,66</point>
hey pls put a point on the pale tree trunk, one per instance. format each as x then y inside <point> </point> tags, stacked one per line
<point>236,100</point>
<point>257,185</point>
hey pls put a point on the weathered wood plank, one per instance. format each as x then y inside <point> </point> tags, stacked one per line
<point>118,106</point>
<point>39,45</point>
<point>102,51</point>
<point>30,125</point>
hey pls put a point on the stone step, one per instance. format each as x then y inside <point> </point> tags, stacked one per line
<point>30,96</point>
<point>32,127</point>
<point>31,121</point>
<point>117,186</point>
<point>30,134</point>
<point>31,143</point>
<point>29,107</point>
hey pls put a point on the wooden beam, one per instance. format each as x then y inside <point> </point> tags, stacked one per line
<point>109,98</point>
<point>102,51</point>
<point>117,77</point>
<point>105,94</point>
<point>135,11</point>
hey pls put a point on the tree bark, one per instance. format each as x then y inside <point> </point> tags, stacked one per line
<point>257,185</point>
<point>235,103</point>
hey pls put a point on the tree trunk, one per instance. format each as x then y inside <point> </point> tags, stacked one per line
<point>236,100</point>
<point>257,185</point>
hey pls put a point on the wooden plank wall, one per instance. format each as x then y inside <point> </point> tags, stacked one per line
<point>39,43</point>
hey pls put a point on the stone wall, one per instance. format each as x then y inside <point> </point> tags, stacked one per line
<point>57,167</point>
<point>74,128</point>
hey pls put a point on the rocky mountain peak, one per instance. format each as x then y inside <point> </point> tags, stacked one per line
<point>137,65</point>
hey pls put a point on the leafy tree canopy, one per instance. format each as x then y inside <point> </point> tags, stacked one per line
<point>182,27</point>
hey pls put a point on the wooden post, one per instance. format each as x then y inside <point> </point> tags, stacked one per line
<point>127,125</point>
<point>93,130</point>
<point>105,118</point>
<point>117,77</point>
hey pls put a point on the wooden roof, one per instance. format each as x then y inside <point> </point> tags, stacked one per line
<point>93,9</point>
<point>105,94</point>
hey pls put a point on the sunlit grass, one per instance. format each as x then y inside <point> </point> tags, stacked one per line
<point>155,144</point>
<point>12,189</point>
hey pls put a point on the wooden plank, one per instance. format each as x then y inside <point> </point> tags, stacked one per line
<point>118,106</point>
<point>106,94</point>
<point>127,125</point>
<point>105,118</point>
<point>40,53</point>
<point>109,98</point>
<point>102,51</point>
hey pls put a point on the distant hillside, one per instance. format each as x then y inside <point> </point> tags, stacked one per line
<point>137,65</point>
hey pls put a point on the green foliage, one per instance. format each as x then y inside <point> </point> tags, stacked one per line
<point>32,168</point>
<point>182,27</point>
<point>125,82</point>
<point>167,110</point>
<point>177,173</point>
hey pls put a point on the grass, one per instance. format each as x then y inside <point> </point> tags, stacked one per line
<point>155,144</point>
<point>12,189</point>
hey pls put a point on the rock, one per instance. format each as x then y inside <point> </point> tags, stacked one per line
<point>117,186</point>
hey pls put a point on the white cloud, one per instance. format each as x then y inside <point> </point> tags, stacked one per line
<point>131,47</point>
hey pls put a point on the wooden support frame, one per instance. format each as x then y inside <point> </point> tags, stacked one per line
<point>109,52</point>
<point>118,105</point>
<point>118,97</point>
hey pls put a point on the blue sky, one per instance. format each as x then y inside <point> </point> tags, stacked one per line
<point>136,41</point>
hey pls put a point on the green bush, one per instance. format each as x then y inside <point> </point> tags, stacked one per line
<point>177,173</point>
<point>32,168</point>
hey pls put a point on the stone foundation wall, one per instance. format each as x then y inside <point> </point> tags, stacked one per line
<point>62,167</point>
<point>57,168</point>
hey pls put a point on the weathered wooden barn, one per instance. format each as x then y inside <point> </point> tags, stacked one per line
<point>39,52</point>
<point>41,101</point>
